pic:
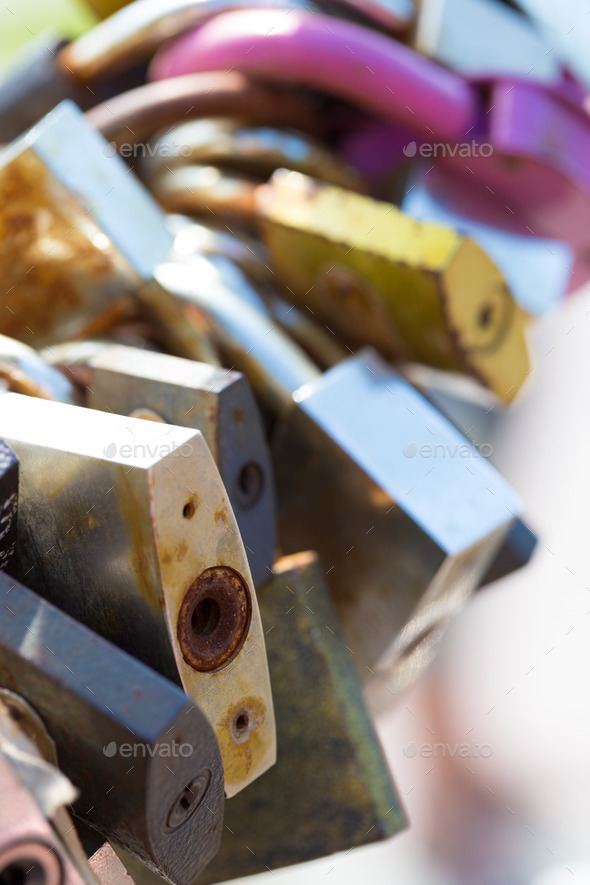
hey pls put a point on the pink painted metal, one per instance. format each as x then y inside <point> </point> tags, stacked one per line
<point>333,56</point>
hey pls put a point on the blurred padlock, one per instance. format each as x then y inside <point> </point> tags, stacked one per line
<point>144,759</point>
<point>67,210</point>
<point>403,540</point>
<point>379,277</point>
<point>140,519</point>
<point>330,770</point>
<point>143,384</point>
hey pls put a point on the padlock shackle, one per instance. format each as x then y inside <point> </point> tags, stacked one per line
<point>136,115</point>
<point>137,30</point>
<point>345,60</point>
<point>240,326</point>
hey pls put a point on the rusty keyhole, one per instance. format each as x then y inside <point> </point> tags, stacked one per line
<point>214,619</point>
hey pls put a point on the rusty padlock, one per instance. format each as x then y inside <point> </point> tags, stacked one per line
<point>140,519</point>
<point>117,726</point>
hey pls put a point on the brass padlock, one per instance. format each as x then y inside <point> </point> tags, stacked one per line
<point>404,540</point>
<point>143,758</point>
<point>159,387</point>
<point>139,518</point>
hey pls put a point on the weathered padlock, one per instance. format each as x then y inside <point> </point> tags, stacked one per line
<point>144,759</point>
<point>330,766</point>
<point>140,519</point>
<point>404,543</point>
<point>413,290</point>
<point>143,384</point>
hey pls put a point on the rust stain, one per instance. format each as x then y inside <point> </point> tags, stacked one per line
<point>242,740</point>
<point>220,516</point>
<point>49,266</point>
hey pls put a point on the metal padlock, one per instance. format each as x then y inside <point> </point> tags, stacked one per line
<point>330,766</point>
<point>351,453</point>
<point>378,277</point>
<point>220,404</point>
<point>65,244</point>
<point>117,727</point>
<point>140,519</point>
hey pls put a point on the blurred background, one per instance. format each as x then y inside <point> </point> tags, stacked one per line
<point>490,750</point>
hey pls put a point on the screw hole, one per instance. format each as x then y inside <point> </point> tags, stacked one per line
<point>206,616</point>
<point>242,722</point>
<point>188,511</point>
<point>250,484</point>
<point>485,316</point>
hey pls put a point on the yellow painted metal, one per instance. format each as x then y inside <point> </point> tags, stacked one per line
<point>414,290</point>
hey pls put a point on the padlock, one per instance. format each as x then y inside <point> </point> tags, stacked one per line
<point>484,38</point>
<point>67,246</point>
<point>8,503</point>
<point>140,519</point>
<point>415,291</point>
<point>143,384</point>
<point>351,452</point>
<point>144,759</point>
<point>330,769</point>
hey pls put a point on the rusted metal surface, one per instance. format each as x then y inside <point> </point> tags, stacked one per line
<point>116,725</point>
<point>214,618</point>
<point>220,404</point>
<point>413,290</point>
<point>138,512</point>
<point>331,789</point>
<point>140,113</point>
